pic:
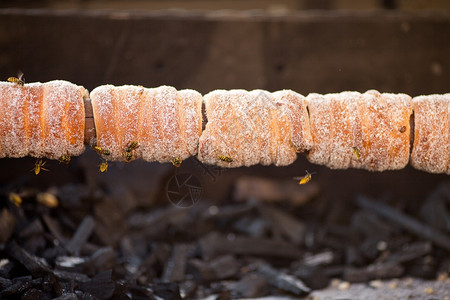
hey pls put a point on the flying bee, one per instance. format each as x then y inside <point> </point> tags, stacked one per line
<point>305,179</point>
<point>15,199</point>
<point>128,156</point>
<point>38,166</point>
<point>131,146</point>
<point>101,150</point>
<point>225,158</point>
<point>176,161</point>
<point>17,80</point>
<point>356,152</point>
<point>103,167</point>
<point>65,159</point>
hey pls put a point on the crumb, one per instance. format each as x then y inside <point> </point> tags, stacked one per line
<point>344,285</point>
<point>429,290</point>
<point>376,284</point>
<point>393,284</point>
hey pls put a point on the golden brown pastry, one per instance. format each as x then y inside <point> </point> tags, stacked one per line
<point>257,127</point>
<point>367,131</point>
<point>431,149</point>
<point>41,119</point>
<point>162,122</point>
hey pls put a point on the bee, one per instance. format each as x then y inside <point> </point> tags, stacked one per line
<point>131,146</point>
<point>225,158</point>
<point>65,159</point>
<point>15,199</point>
<point>127,156</point>
<point>101,151</point>
<point>103,167</point>
<point>356,152</point>
<point>38,166</point>
<point>176,161</point>
<point>17,80</point>
<point>305,179</point>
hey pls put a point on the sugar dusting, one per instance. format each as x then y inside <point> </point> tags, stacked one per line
<point>369,123</point>
<point>165,122</point>
<point>431,149</point>
<point>34,119</point>
<point>251,127</point>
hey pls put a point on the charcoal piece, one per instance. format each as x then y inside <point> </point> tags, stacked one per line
<point>252,285</point>
<point>436,209</point>
<point>32,229</point>
<point>375,271</point>
<point>154,263</point>
<point>70,276</point>
<point>353,256</point>
<point>318,259</point>
<point>71,195</point>
<point>102,259</point>
<point>284,223</point>
<point>166,290</point>
<point>269,190</point>
<point>369,248</point>
<point>5,267</point>
<point>37,266</point>
<point>52,253</point>
<point>82,234</point>
<point>217,269</point>
<point>51,284</point>
<point>111,225</point>
<point>254,227</point>
<point>409,252</point>
<point>13,289</point>
<point>67,296</point>
<point>424,267</point>
<point>54,228</point>
<point>70,263</point>
<point>228,212</point>
<point>4,283</point>
<point>412,225</point>
<point>334,271</point>
<point>313,276</point>
<point>188,289</point>
<point>371,225</point>
<point>7,225</point>
<point>283,281</point>
<point>101,286</point>
<point>32,294</point>
<point>215,244</point>
<point>23,278</point>
<point>175,268</point>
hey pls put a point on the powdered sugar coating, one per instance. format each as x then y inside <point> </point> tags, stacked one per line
<point>431,149</point>
<point>41,119</point>
<point>249,127</point>
<point>165,122</point>
<point>369,124</point>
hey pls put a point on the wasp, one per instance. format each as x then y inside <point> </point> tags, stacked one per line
<point>305,179</point>
<point>101,150</point>
<point>17,80</point>
<point>356,152</point>
<point>103,167</point>
<point>38,166</point>
<point>15,199</point>
<point>131,146</point>
<point>127,156</point>
<point>65,159</point>
<point>225,158</point>
<point>128,149</point>
<point>176,161</point>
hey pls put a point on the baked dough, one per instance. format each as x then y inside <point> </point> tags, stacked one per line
<point>165,123</point>
<point>42,119</point>
<point>431,149</point>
